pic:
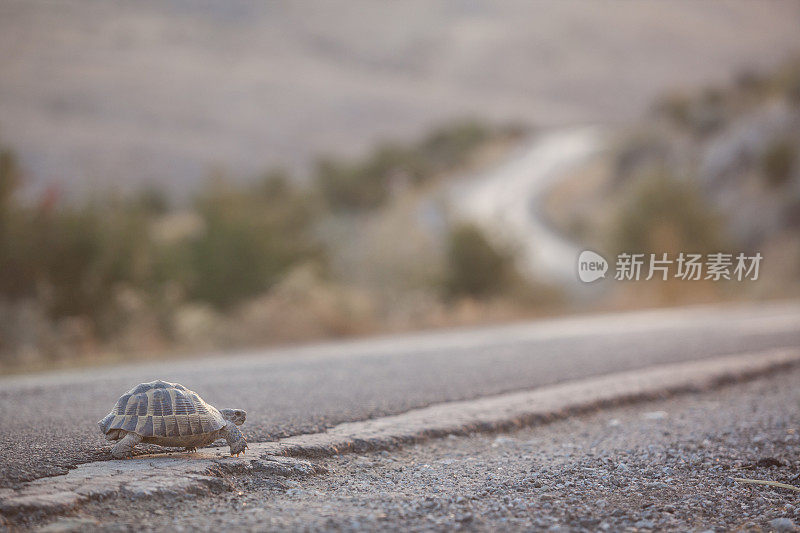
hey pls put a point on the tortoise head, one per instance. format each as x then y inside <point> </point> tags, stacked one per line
<point>236,416</point>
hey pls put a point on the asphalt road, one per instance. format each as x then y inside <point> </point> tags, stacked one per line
<point>47,421</point>
<point>666,465</point>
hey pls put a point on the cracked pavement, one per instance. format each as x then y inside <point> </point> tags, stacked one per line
<point>661,465</point>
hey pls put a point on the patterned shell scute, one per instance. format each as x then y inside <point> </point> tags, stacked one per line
<point>162,409</point>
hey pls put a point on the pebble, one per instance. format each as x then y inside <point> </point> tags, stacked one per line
<point>503,441</point>
<point>783,524</point>
<point>65,525</point>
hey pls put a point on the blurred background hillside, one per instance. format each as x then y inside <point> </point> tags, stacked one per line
<point>187,176</point>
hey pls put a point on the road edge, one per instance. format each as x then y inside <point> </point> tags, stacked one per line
<point>211,469</point>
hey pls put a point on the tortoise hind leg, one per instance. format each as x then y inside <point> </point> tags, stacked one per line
<point>124,448</point>
<point>191,449</point>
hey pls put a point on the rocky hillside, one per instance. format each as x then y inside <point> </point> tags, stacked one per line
<point>717,169</point>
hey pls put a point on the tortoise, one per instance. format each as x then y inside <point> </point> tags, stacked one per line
<point>169,414</point>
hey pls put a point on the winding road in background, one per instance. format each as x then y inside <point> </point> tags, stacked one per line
<point>507,200</point>
<point>48,421</point>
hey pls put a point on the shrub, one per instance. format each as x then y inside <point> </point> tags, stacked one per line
<point>72,258</point>
<point>778,161</point>
<point>347,186</point>
<point>700,116</point>
<point>664,214</point>
<point>152,200</point>
<point>18,274</point>
<point>676,107</point>
<point>9,176</point>
<point>475,267</point>
<point>85,253</point>
<point>250,238</point>
<point>366,184</point>
<point>450,145</point>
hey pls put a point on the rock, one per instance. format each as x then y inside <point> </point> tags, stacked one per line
<point>69,524</point>
<point>767,462</point>
<point>783,524</point>
<point>503,441</point>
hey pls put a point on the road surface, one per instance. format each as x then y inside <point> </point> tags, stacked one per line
<point>48,421</point>
<point>668,465</point>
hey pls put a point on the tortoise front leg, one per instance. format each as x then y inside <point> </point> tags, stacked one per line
<point>124,448</point>
<point>234,437</point>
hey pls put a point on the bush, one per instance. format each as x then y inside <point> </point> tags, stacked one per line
<point>366,184</point>
<point>700,116</point>
<point>152,200</point>
<point>9,176</point>
<point>75,258</point>
<point>778,161</point>
<point>475,267</point>
<point>664,214</point>
<point>18,277</point>
<point>449,146</point>
<point>350,187</point>
<point>250,238</point>
<point>71,259</point>
<point>676,107</point>
<point>85,253</point>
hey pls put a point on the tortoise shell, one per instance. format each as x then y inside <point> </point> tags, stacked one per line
<point>162,409</point>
